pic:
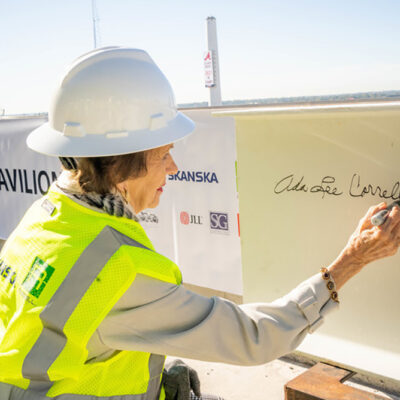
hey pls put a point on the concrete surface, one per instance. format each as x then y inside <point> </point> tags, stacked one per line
<point>242,383</point>
<point>264,382</point>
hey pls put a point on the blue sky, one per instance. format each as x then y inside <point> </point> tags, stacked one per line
<point>267,48</point>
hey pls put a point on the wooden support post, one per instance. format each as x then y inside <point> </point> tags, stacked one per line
<point>325,382</point>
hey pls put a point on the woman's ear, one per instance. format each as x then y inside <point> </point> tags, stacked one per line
<point>123,190</point>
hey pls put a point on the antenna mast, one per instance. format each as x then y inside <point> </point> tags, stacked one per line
<point>95,19</point>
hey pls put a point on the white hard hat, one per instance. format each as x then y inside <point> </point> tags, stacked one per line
<point>112,101</point>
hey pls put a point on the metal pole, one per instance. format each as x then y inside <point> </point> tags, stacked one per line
<point>95,20</point>
<point>215,91</point>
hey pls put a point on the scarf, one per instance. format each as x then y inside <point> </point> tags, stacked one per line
<point>111,203</point>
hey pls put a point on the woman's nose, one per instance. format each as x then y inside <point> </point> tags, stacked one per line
<point>172,168</point>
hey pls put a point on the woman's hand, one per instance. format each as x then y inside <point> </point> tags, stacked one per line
<point>368,243</point>
<point>179,380</point>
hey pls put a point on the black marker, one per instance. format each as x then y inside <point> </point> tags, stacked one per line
<point>380,217</point>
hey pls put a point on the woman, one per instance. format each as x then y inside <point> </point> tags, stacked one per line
<point>91,306</point>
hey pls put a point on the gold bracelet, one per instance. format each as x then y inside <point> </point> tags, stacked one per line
<point>326,276</point>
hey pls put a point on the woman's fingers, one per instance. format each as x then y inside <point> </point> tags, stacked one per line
<point>369,242</point>
<point>365,222</point>
<point>392,219</point>
<point>394,222</point>
<point>388,234</point>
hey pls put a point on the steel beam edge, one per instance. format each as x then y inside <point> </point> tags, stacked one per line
<point>374,381</point>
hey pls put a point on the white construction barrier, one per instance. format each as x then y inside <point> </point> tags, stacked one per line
<point>196,223</point>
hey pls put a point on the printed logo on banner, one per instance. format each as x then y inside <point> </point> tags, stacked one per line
<point>184,218</point>
<point>219,222</point>
<point>195,176</point>
<point>187,219</point>
<point>147,217</point>
<point>26,181</point>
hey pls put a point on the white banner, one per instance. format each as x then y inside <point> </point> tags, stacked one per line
<point>196,223</point>
<point>24,174</point>
<point>198,214</point>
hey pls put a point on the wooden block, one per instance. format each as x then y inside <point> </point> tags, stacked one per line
<point>325,382</point>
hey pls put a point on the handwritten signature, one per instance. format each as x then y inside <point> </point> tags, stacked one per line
<point>289,184</point>
<point>328,186</point>
<point>358,190</point>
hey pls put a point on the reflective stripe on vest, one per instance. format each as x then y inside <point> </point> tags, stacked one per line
<point>60,307</point>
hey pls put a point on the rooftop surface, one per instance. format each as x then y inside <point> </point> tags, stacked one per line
<point>264,382</point>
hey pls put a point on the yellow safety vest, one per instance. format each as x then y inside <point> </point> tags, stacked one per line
<point>61,272</point>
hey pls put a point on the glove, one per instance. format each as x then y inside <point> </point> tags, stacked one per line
<point>178,380</point>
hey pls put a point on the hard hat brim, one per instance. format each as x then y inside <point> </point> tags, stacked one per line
<point>49,141</point>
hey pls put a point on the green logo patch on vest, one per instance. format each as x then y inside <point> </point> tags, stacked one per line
<point>37,278</point>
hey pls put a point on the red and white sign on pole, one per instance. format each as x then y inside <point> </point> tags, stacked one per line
<point>209,69</point>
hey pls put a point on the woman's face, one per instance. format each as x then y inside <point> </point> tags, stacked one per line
<point>145,191</point>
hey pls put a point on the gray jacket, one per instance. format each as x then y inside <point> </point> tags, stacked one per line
<point>162,318</point>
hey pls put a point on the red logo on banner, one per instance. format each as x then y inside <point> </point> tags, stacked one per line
<point>208,56</point>
<point>184,218</point>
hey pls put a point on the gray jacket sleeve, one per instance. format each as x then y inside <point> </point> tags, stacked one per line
<point>158,317</point>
